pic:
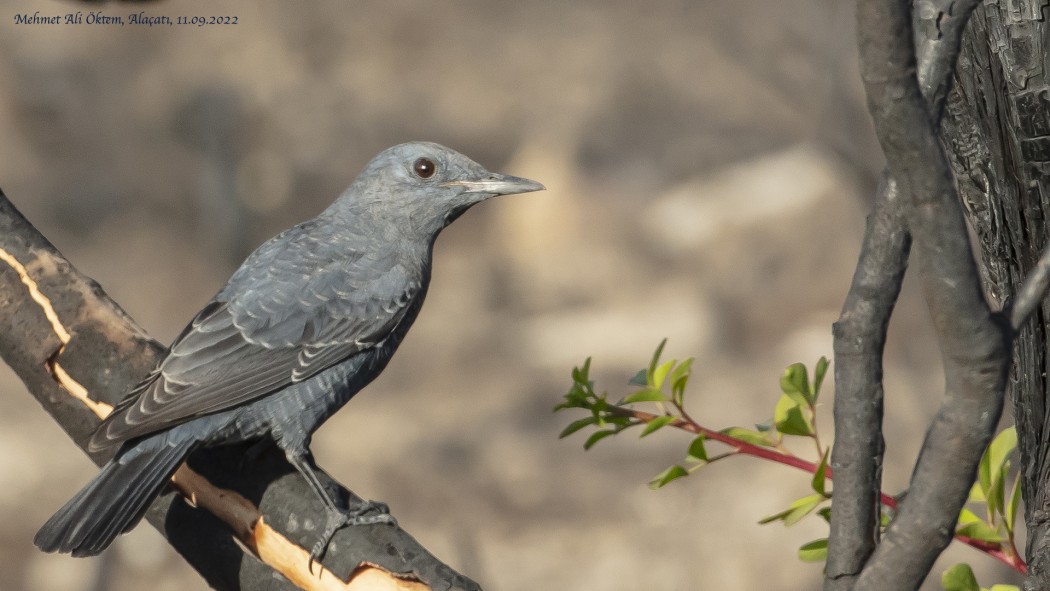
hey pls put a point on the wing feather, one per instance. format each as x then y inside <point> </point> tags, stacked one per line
<point>270,327</point>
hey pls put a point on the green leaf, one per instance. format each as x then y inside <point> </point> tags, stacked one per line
<point>596,437</point>
<point>959,578</point>
<point>792,418</point>
<point>774,517</point>
<point>577,425</point>
<point>679,378</point>
<point>976,494</point>
<point>697,451</point>
<point>574,398</point>
<point>655,424</point>
<point>795,383</point>
<point>599,406</point>
<point>567,405</point>
<point>673,473</point>
<point>984,474</point>
<point>966,517</point>
<point>820,476</point>
<point>996,498</point>
<point>1015,501</point>
<point>682,370</point>
<point>581,375</point>
<point>645,395</point>
<point>995,464</point>
<point>749,436</point>
<point>803,507</point>
<point>660,373</point>
<point>815,551</point>
<point>639,379</point>
<point>818,376</point>
<point>655,360</point>
<point>825,513</point>
<point>1002,446</point>
<point>972,526</point>
<point>798,509</point>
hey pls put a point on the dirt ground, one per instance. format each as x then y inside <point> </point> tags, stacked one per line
<point>708,166</point>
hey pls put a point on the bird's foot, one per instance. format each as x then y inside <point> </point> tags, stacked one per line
<point>369,512</point>
<point>363,513</point>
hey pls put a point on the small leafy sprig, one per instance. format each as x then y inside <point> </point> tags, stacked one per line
<point>961,578</point>
<point>1000,501</point>
<point>794,416</point>
<point>999,504</point>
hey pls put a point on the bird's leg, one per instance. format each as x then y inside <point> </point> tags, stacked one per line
<point>365,513</point>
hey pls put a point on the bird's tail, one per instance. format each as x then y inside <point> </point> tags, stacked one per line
<point>115,500</point>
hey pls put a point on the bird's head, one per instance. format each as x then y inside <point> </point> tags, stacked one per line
<point>430,183</point>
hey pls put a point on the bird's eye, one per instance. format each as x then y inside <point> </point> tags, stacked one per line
<point>424,168</point>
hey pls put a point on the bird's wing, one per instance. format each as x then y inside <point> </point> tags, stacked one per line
<point>272,326</point>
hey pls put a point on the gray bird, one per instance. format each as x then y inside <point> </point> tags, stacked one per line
<point>310,318</point>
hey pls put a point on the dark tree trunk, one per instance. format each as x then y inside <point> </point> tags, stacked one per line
<point>997,131</point>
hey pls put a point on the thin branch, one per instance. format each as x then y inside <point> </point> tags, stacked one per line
<point>739,446</point>
<point>859,339</point>
<point>1032,292</point>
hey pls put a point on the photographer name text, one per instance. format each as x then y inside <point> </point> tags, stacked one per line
<point>137,19</point>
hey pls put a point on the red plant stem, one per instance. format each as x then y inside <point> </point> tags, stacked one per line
<point>994,550</point>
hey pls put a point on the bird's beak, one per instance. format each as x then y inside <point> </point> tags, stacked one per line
<point>498,184</point>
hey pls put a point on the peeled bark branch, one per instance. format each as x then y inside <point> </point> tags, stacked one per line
<point>77,352</point>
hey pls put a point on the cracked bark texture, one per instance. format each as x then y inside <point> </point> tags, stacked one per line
<point>66,339</point>
<point>997,132</point>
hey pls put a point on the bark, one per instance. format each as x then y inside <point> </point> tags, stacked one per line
<point>860,332</point>
<point>998,128</point>
<point>77,352</point>
<point>974,340</point>
<point>860,336</point>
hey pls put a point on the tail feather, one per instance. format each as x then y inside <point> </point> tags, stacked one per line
<point>115,500</point>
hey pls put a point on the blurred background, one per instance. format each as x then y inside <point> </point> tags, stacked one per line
<point>708,166</point>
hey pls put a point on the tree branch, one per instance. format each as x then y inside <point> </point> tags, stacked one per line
<point>1031,293</point>
<point>859,339</point>
<point>996,126</point>
<point>860,336</point>
<point>974,342</point>
<point>77,352</point>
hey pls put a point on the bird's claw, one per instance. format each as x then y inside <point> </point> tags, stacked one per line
<point>363,513</point>
<point>380,513</point>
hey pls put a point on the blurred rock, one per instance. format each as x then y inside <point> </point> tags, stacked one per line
<point>764,190</point>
